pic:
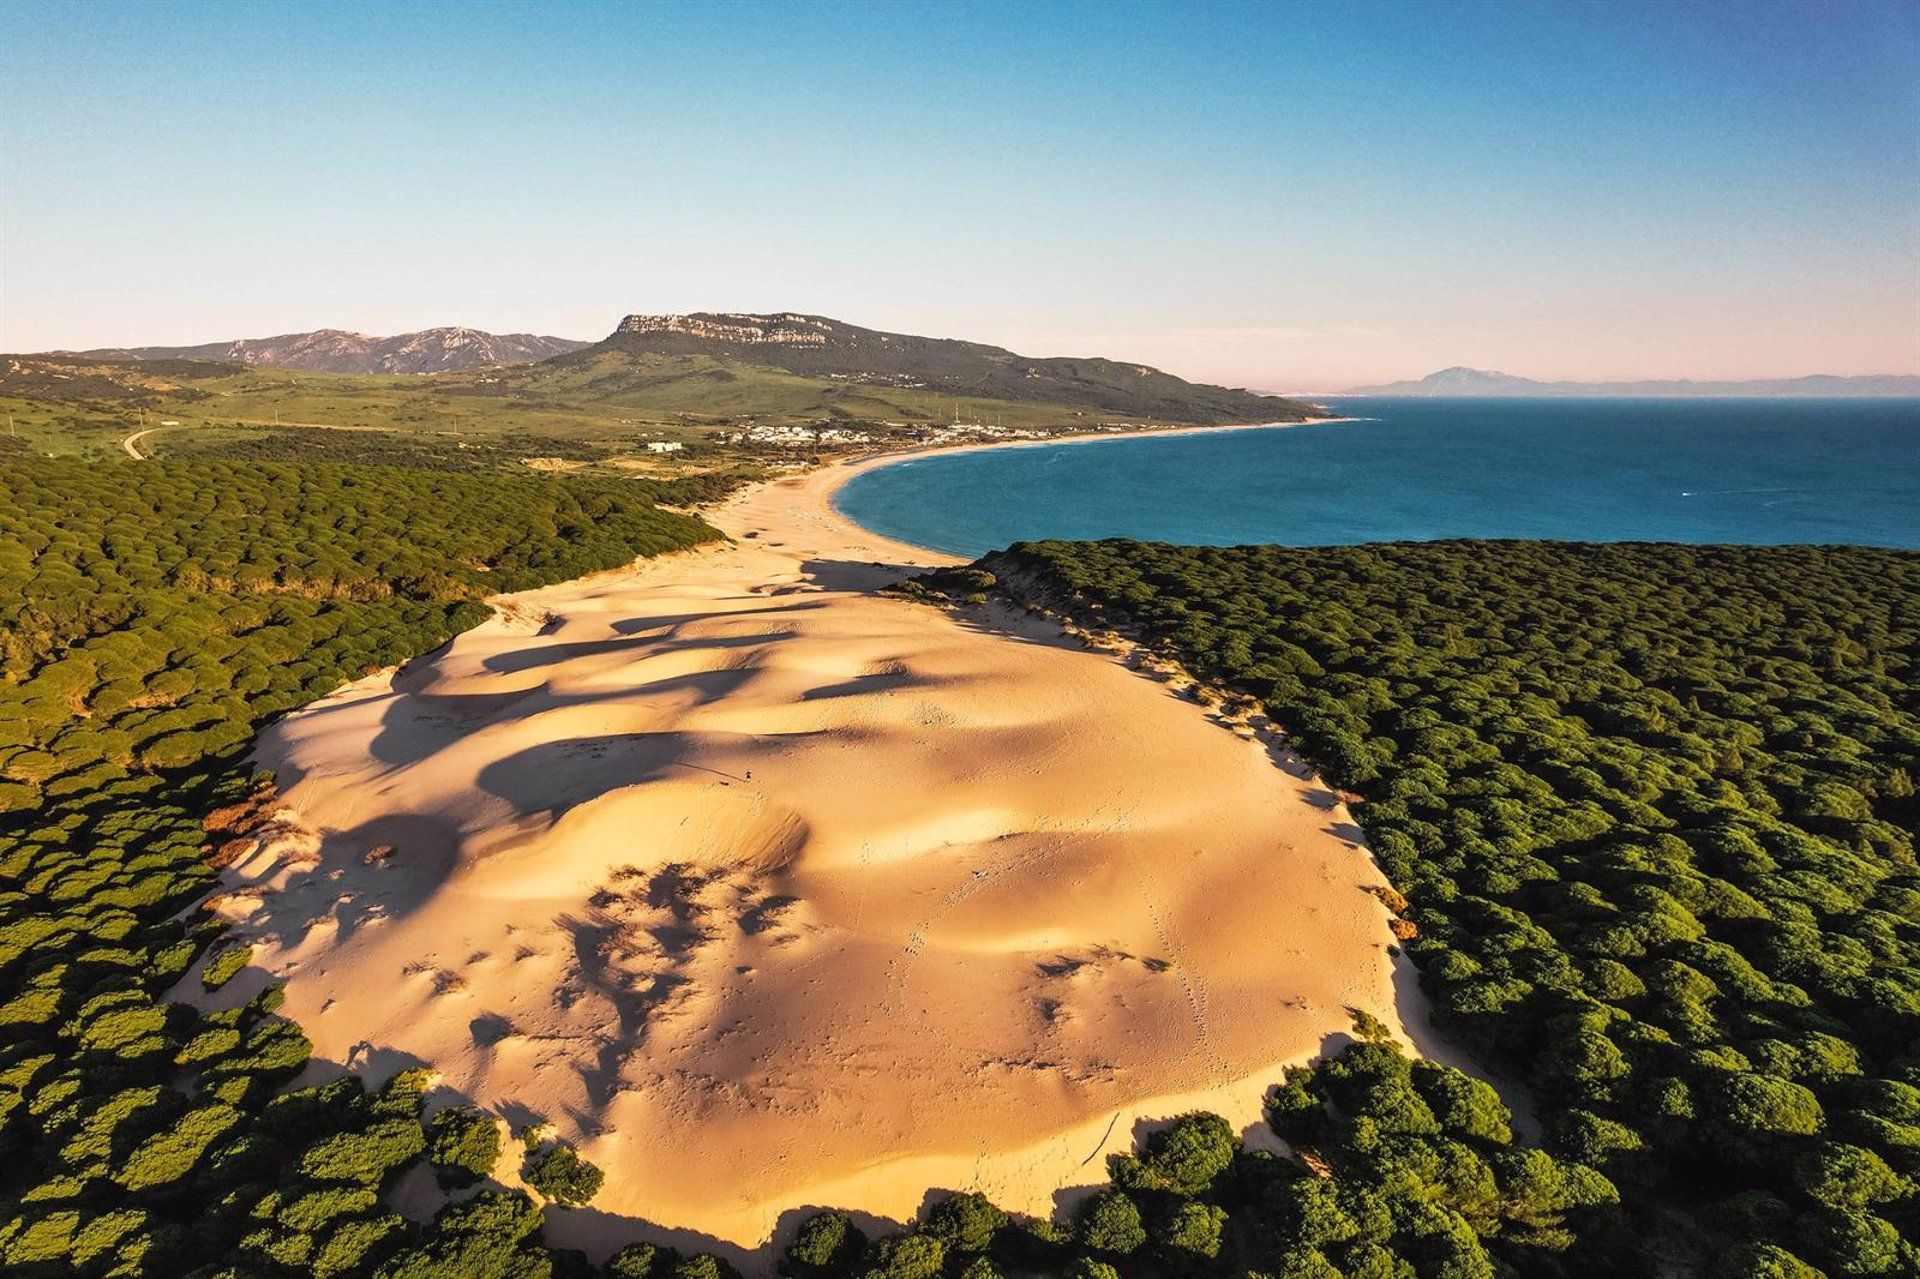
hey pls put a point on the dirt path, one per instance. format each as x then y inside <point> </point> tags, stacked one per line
<point>132,443</point>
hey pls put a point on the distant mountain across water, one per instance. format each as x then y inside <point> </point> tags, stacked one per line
<point>442,350</point>
<point>1463,381</point>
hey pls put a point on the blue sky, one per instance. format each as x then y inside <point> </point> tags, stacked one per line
<point>1287,196</point>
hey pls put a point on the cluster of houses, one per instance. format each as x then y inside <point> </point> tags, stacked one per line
<point>820,436</point>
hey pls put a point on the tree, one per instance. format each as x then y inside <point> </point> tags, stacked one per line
<point>1754,1107</point>
<point>965,1222</point>
<point>463,1144</point>
<point>1183,1159</point>
<point>908,1257</point>
<point>1090,1268</point>
<point>175,1152</point>
<point>828,1243</point>
<point>1850,1242</point>
<point>1110,1222</point>
<point>1193,1231</point>
<point>1762,1261</point>
<point>1846,1176</point>
<point>640,1261</point>
<point>482,1238</point>
<point>1465,1106</point>
<point>368,1156</point>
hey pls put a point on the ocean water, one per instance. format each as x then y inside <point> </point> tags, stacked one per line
<point>1724,470</point>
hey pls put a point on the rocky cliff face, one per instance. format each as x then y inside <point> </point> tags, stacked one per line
<point>339,351</point>
<point>732,326</point>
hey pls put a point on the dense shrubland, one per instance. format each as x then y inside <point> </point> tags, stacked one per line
<point>151,617</point>
<point>1653,808</point>
<point>1401,1168</point>
<point>446,452</point>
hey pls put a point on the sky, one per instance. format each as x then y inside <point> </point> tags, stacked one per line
<point>1289,196</point>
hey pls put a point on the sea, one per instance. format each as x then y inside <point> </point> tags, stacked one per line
<point>1679,470</point>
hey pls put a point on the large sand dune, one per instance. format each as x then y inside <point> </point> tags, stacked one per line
<point>777,893</point>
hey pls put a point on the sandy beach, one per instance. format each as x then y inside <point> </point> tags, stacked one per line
<point>776,893</point>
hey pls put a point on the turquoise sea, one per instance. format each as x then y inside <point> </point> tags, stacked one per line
<point>1720,470</point>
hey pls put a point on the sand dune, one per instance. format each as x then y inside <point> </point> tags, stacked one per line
<point>774,892</point>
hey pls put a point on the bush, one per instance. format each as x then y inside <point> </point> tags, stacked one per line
<point>368,1156</point>
<point>703,1266</point>
<point>1110,1222</point>
<point>1844,1176</point>
<point>908,1257</point>
<point>223,965</point>
<point>559,1173</point>
<point>463,1144</point>
<point>828,1243</point>
<point>1184,1158</point>
<point>639,1261</point>
<point>965,1222</point>
<point>1089,1268</point>
<point>1194,1231</point>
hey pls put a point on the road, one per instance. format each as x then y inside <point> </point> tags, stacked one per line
<point>132,443</point>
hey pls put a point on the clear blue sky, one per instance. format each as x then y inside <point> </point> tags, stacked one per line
<point>1291,196</point>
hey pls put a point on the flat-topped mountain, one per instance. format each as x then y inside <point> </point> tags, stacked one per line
<point>439,350</point>
<point>818,348</point>
<point>1461,380</point>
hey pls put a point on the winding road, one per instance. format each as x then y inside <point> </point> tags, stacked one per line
<point>132,443</point>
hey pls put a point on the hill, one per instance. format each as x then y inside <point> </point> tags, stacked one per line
<point>838,358</point>
<point>1463,381</point>
<point>694,378</point>
<point>439,350</point>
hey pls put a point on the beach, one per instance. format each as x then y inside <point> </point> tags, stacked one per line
<point>776,893</point>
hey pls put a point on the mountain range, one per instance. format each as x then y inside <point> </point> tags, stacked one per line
<point>442,350</point>
<point>692,371</point>
<point>1463,381</point>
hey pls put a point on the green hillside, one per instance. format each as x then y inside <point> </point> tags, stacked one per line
<point>683,383</point>
<point>885,364</point>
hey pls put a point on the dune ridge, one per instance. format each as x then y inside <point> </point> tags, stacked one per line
<point>776,893</point>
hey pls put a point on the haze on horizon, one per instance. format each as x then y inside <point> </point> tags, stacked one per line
<point>1300,200</point>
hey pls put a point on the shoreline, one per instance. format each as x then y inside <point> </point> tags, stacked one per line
<point>848,468</point>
